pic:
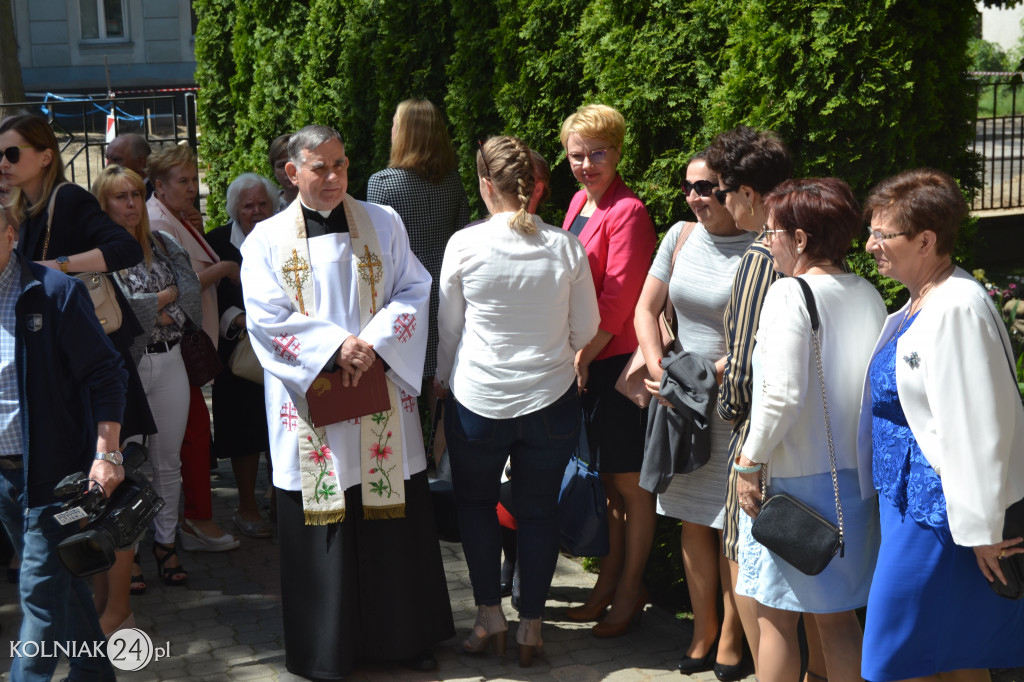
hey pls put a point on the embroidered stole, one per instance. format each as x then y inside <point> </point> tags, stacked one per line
<point>381,457</point>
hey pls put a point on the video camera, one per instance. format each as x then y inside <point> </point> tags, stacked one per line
<point>114,523</point>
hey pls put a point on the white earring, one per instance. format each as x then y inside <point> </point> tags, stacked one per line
<point>799,249</point>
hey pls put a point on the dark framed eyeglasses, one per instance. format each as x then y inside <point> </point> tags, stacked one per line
<point>703,188</point>
<point>598,156</point>
<point>483,157</point>
<point>13,154</point>
<point>720,194</point>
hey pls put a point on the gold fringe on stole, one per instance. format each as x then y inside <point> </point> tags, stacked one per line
<point>320,518</point>
<point>394,511</point>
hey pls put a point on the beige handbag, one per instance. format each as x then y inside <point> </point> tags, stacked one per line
<point>101,289</point>
<point>631,381</point>
<point>243,362</point>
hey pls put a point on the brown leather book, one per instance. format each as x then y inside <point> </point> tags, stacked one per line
<point>330,402</point>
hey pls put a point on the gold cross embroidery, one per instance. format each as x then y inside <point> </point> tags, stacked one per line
<point>300,269</point>
<point>371,270</point>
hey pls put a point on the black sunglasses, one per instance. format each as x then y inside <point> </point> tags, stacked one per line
<point>483,157</point>
<point>13,154</point>
<point>704,188</point>
<point>720,194</point>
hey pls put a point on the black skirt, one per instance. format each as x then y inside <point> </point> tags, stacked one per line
<point>361,590</point>
<point>239,416</point>
<point>614,427</point>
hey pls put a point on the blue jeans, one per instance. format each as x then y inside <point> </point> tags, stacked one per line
<point>540,444</point>
<point>56,607</point>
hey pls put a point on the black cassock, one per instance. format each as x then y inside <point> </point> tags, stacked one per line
<point>361,590</point>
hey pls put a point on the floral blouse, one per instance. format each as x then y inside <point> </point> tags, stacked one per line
<point>900,472</point>
<point>152,279</point>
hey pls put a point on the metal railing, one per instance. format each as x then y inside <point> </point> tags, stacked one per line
<point>80,125</point>
<point>999,140</point>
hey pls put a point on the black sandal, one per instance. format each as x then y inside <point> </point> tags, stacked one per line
<point>138,581</point>
<point>172,575</point>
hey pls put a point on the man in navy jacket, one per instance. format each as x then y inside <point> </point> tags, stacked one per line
<point>62,391</point>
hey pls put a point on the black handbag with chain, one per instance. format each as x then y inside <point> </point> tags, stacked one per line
<point>798,534</point>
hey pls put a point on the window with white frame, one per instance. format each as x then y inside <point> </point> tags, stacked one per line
<point>103,19</point>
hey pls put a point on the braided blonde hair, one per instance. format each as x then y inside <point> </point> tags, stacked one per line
<point>507,162</point>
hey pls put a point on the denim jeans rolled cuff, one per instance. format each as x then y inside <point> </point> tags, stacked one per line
<point>540,444</point>
<point>57,608</point>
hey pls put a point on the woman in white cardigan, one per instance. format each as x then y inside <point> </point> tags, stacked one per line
<point>942,435</point>
<point>811,223</point>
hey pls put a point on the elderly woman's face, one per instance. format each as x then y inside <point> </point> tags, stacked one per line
<point>593,162</point>
<point>890,247</point>
<point>253,206</point>
<point>178,190</point>
<point>125,204</point>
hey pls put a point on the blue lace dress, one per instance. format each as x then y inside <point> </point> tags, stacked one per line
<point>930,609</point>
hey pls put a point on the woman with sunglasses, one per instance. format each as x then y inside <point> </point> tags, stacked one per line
<point>78,237</point>
<point>699,286</point>
<point>517,303</point>
<point>619,238</point>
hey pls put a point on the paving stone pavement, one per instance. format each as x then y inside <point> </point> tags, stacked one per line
<point>226,624</point>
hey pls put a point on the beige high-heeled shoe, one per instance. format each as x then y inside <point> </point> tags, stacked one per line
<point>490,627</point>
<point>528,637</point>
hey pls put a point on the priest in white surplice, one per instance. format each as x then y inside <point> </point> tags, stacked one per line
<point>330,282</point>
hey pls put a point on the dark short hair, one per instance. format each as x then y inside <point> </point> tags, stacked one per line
<point>824,208</point>
<point>918,200</point>
<point>745,156</point>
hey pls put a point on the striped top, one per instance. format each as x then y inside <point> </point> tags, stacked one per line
<point>742,315</point>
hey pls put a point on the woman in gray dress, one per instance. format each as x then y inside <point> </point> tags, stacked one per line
<point>699,286</point>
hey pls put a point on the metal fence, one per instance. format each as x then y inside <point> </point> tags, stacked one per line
<point>80,125</point>
<point>999,140</point>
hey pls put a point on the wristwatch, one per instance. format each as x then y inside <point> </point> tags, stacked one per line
<point>114,457</point>
<point>62,261</point>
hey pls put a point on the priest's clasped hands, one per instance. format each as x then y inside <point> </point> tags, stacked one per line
<point>354,357</point>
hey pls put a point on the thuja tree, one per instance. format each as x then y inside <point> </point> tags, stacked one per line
<point>657,62</point>
<point>217,107</point>
<point>858,90</point>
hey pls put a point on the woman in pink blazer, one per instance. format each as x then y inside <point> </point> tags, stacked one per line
<point>619,238</point>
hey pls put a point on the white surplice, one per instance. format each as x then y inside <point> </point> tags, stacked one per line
<point>293,348</point>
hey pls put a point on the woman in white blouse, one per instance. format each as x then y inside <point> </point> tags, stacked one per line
<point>517,302</point>
<point>811,223</point>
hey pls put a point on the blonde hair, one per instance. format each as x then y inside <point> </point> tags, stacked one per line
<point>421,143</point>
<point>160,162</point>
<point>508,164</point>
<point>36,131</point>
<point>109,181</point>
<point>598,121</point>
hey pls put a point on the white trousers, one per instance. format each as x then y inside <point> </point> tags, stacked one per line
<point>163,376</point>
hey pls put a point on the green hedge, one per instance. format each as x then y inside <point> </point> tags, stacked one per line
<point>858,90</point>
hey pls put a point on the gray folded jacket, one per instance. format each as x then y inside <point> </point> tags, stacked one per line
<point>679,439</point>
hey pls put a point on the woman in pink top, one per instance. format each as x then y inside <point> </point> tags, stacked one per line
<point>619,238</point>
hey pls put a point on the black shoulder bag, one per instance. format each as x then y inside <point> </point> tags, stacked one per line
<point>791,529</point>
